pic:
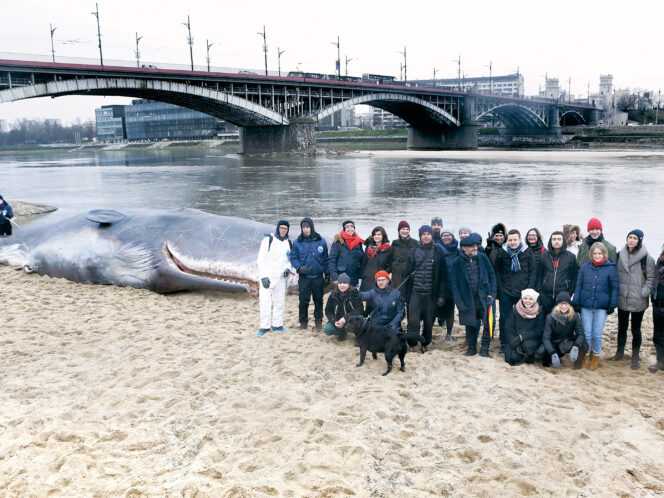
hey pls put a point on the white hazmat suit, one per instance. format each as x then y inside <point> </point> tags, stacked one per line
<point>273,261</point>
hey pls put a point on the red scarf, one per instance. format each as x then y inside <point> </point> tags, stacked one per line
<point>597,263</point>
<point>351,240</point>
<point>373,250</point>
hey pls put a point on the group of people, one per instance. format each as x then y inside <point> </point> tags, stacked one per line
<point>553,300</point>
<point>6,214</point>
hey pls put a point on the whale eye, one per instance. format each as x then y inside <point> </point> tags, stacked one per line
<point>28,269</point>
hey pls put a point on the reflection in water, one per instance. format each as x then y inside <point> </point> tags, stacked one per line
<point>522,189</point>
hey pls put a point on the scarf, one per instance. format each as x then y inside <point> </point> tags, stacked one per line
<point>514,254</point>
<point>351,241</point>
<point>590,241</point>
<point>527,313</point>
<point>598,263</point>
<point>373,250</point>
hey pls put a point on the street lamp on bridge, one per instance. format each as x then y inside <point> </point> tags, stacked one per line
<point>138,54</point>
<point>190,41</point>
<point>434,76</point>
<point>459,70</point>
<point>338,65</point>
<point>405,65</point>
<point>96,14</point>
<point>279,52</point>
<point>347,61</point>
<point>208,45</point>
<point>490,66</point>
<point>52,48</point>
<point>264,46</point>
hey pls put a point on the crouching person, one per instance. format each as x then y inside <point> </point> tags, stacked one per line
<point>343,302</point>
<point>386,303</point>
<point>523,328</point>
<point>563,334</point>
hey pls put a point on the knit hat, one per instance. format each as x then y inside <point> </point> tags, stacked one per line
<point>563,297</point>
<point>402,224</point>
<point>638,233</point>
<point>347,222</point>
<point>447,230</point>
<point>343,279</point>
<point>530,292</point>
<point>498,228</point>
<point>464,229</point>
<point>476,238</point>
<point>594,223</point>
<point>381,273</point>
<point>426,228</point>
<point>437,220</point>
<point>468,241</point>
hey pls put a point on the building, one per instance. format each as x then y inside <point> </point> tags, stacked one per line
<point>4,126</point>
<point>509,85</point>
<point>383,120</point>
<point>341,119</point>
<point>110,121</point>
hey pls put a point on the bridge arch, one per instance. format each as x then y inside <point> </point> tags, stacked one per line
<point>413,110</point>
<point>515,115</point>
<point>572,117</point>
<point>222,105</point>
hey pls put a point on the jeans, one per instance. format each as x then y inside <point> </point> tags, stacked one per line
<point>593,327</point>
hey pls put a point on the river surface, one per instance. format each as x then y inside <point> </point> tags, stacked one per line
<point>523,189</point>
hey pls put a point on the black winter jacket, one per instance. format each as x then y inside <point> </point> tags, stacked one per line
<point>557,272</point>
<point>372,265</point>
<point>400,249</point>
<point>530,329</point>
<point>558,328</point>
<point>439,272</point>
<point>344,305</point>
<point>510,282</point>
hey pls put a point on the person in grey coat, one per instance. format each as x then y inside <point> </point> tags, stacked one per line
<point>636,271</point>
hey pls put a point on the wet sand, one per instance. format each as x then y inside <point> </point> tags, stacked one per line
<point>115,391</point>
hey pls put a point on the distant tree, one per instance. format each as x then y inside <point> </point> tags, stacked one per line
<point>626,101</point>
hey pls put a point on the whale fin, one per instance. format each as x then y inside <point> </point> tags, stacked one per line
<point>105,216</point>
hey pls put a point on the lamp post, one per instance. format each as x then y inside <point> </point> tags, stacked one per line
<point>264,47</point>
<point>138,54</point>
<point>459,70</point>
<point>96,14</point>
<point>347,61</point>
<point>52,47</point>
<point>208,45</point>
<point>190,41</point>
<point>405,66</point>
<point>279,52</point>
<point>338,64</point>
<point>434,76</point>
<point>490,66</point>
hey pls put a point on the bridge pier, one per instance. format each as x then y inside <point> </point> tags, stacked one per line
<point>463,137</point>
<point>298,135</point>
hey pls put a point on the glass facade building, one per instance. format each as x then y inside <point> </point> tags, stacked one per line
<point>151,120</point>
<point>110,123</point>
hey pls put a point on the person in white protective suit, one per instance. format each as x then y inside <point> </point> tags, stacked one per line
<point>274,268</point>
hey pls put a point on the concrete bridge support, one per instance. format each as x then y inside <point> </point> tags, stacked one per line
<point>298,135</point>
<point>463,137</point>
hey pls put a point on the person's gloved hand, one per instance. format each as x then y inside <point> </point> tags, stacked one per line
<point>574,354</point>
<point>610,311</point>
<point>4,212</point>
<point>266,282</point>
<point>326,280</point>
<point>555,361</point>
<point>354,292</point>
<point>441,301</point>
<point>286,273</point>
<point>516,341</point>
<point>304,270</point>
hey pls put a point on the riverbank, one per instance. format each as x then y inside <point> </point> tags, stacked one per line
<point>118,391</point>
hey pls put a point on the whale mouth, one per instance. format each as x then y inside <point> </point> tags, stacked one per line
<point>250,285</point>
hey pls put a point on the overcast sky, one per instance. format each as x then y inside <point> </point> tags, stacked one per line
<point>577,39</point>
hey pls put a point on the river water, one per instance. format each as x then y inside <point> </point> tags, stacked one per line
<point>523,189</point>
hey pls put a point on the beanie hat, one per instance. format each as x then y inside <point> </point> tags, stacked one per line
<point>530,292</point>
<point>638,233</point>
<point>347,222</point>
<point>381,273</point>
<point>447,230</point>
<point>426,228</point>
<point>465,229</point>
<point>437,220</point>
<point>498,228</point>
<point>343,279</point>
<point>594,223</point>
<point>563,297</point>
<point>468,241</point>
<point>476,238</point>
<point>402,224</point>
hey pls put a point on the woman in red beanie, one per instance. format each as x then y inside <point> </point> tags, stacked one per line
<point>595,235</point>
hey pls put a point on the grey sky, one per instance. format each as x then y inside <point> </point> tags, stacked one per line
<point>577,39</point>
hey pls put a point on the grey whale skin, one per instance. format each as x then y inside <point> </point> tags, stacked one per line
<point>160,250</point>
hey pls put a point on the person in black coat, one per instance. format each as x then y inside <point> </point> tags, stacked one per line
<point>6,214</point>
<point>400,249</point>
<point>377,257</point>
<point>473,285</point>
<point>536,244</point>
<point>563,334</point>
<point>515,271</point>
<point>445,313</point>
<point>343,302</point>
<point>494,243</point>
<point>557,271</point>
<point>427,281</point>
<point>523,329</point>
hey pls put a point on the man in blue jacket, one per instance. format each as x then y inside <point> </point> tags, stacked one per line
<point>386,302</point>
<point>6,214</point>
<point>309,257</point>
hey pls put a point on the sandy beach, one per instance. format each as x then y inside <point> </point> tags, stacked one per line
<point>109,391</point>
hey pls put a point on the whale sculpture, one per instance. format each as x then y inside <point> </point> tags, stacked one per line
<point>160,250</point>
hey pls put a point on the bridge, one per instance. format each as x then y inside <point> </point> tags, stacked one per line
<point>280,113</point>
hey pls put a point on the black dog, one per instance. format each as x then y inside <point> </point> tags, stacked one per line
<point>380,340</point>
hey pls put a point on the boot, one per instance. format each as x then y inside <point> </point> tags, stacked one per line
<point>657,366</point>
<point>319,326</point>
<point>303,326</point>
<point>619,356</point>
<point>586,360</point>
<point>484,351</point>
<point>472,350</point>
<point>448,338</point>
<point>594,362</point>
<point>635,358</point>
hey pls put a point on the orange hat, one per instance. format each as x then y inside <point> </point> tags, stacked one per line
<point>382,273</point>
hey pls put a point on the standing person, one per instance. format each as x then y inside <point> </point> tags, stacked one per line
<point>436,226</point>
<point>524,328</point>
<point>377,257</point>
<point>473,285</point>
<point>445,313</point>
<point>535,243</point>
<point>636,272</point>
<point>6,214</point>
<point>557,271</point>
<point>309,257</point>
<point>596,295</point>
<point>426,286</point>
<point>573,237</point>
<point>563,334</point>
<point>273,270</point>
<point>346,254</point>
<point>515,271</point>
<point>464,232</point>
<point>595,235</point>
<point>343,302</point>
<point>495,241</point>
<point>386,303</point>
<point>658,313</point>
<point>400,249</point>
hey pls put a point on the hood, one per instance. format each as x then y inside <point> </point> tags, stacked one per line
<point>276,230</point>
<point>314,234</point>
<point>563,248</point>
